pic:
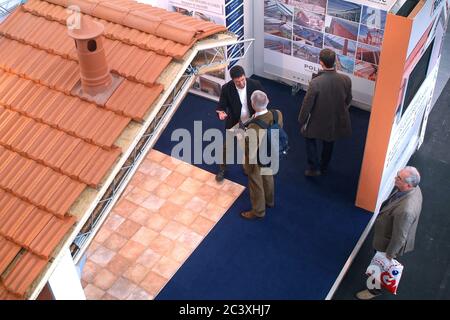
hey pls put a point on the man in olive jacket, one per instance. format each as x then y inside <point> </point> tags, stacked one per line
<point>396,224</point>
<point>324,113</point>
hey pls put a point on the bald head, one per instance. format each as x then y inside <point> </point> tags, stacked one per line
<point>259,101</point>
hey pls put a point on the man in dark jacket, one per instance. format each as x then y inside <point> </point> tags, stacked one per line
<point>235,105</point>
<point>324,113</point>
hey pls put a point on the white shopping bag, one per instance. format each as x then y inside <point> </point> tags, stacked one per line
<point>384,273</point>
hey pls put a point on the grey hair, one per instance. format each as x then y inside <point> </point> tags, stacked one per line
<point>259,100</point>
<point>413,178</point>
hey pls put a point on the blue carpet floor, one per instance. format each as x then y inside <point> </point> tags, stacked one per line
<point>298,250</point>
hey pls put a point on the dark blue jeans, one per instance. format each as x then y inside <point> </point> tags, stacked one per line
<point>312,154</point>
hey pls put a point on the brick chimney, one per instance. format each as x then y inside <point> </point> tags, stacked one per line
<point>95,75</point>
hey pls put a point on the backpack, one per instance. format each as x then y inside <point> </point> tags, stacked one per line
<point>283,141</point>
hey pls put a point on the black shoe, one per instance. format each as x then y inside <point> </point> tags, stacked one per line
<point>270,205</point>
<point>312,173</point>
<point>220,175</point>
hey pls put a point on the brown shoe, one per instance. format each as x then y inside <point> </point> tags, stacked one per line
<point>312,173</point>
<point>250,215</point>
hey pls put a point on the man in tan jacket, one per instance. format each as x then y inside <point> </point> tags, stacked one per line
<point>260,180</point>
<point>396,224</point>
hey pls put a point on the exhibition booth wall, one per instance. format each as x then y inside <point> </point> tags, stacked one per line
<point>408,69</point>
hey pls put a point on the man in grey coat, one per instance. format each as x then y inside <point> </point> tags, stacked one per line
<point>324,113</point>
<point>396,224</point>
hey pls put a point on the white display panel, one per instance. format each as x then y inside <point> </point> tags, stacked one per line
<point>296,30</point>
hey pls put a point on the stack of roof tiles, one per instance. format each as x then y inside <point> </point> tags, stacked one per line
<point>53,143</point>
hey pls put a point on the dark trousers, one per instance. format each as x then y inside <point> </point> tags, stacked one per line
<point>312,155</point>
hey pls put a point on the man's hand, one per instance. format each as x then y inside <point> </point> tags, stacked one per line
<point>389,257</point>
<point>222,114</point>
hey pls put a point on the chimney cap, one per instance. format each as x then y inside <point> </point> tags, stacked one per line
<point>89,29</point>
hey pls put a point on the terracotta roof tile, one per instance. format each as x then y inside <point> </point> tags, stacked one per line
<point>34,179</point>
<point>6,295</point>
<point>31,227</point>
<point>10,222</point>
<point>61,111</point>
<point>22,276</point>
<point>51,139</point>
<point>133,99</point>
<point>8,251</point>
<point>52,233</point>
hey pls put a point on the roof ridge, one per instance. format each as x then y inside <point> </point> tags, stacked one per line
<point>51,16</point>
<point>114,12</point>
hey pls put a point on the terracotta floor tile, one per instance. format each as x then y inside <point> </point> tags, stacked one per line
<point>180,197</point>
<point>173,230</point>
<point>128,228</point>
<point>232,189</point>
<point>140,215</point>
<point>223,200</point>
<point>191,186</point>
<point>153,283</point>
<point>102,256</point>
<point>153,169</point>
<point>118,265</point>
<point>196,205</point>
<point>166,267</point>
<point>107,296</point>
<point>144,236</point>
<point>138,195</point>
<point>93,293</point>
<point>207,193</point>
<point>136,273</point>
<point>202,225</point>
<point>184,168</point>
<point>161,245</point>
<point>115,242</point>
<point>175,179</point>
<point>102,235</point>
<point>122,288</point>
<point>127,190</point>
<point>213,183</point>
<point>90,269</point>
<point>156,156</point>
<point>132,250</point>
<point>140,294</point>
<point>213,212</point>
<point>92,247</point>
<point>113,221</point>
<point>171,163</point>
<point>201,175</point>
<point>149,258</point>
<point>156,222</point>
<point>164,191</point>
<point>169,210</point>
<point>104,279</point>
<point>138,178</point>
<point>179,252</point>
<point>125,207</point>
<point>153,203</point>
<point>190,239</point>
<point>186,216</point>
<point>150,184</point>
